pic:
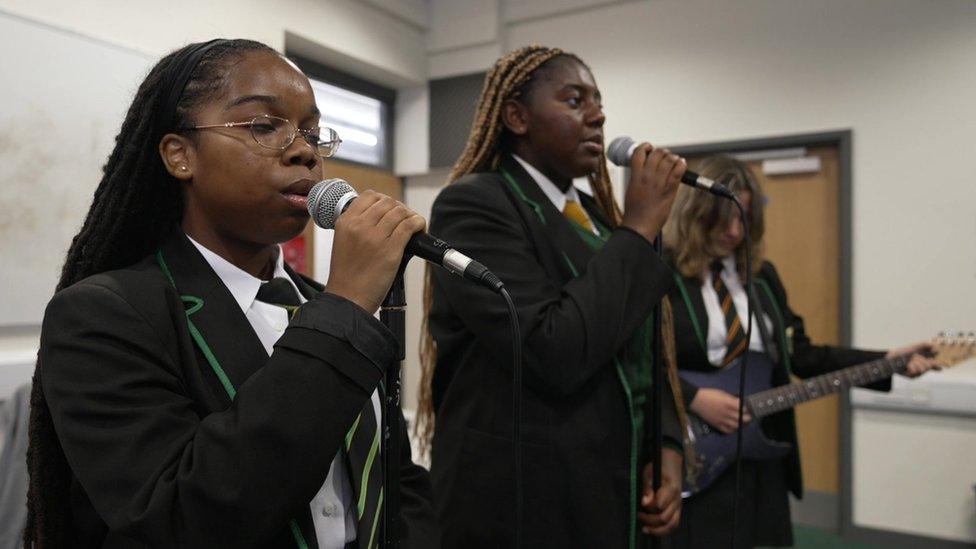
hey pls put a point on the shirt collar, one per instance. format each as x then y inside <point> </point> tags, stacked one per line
<point>241,284</point>
<point>552,192</point>
<point>728,268</point>
<point>728,264</point>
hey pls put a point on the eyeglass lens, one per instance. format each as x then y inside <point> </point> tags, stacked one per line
<point>277,133</point>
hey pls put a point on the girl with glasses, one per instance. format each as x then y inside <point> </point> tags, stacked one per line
<point>191,389</point>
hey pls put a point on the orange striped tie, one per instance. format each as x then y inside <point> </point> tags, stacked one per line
<point>735,338</point>
<point>574,212</point>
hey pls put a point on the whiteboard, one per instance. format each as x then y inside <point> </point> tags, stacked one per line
<point>62,101</point>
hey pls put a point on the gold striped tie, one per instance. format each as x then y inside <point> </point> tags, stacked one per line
<point>575,213</point>
<point>735,339</point>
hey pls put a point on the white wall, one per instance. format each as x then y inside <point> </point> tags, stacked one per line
<point>914,473</point>
<point>375,39</point>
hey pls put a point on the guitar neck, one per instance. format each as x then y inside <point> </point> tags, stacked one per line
<point>781,398</point>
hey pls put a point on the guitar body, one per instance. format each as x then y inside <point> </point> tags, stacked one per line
<point>714,450</point>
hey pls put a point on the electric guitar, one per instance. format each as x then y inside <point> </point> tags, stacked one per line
<point>715,451</point>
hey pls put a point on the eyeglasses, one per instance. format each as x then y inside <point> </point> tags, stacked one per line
<point>276,133</point>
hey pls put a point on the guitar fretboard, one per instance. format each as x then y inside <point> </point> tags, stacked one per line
<point>778,399</point>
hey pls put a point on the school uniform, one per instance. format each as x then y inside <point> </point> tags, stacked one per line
<point>584,297</point>
<point>779,335</point>
<point>192,415</point>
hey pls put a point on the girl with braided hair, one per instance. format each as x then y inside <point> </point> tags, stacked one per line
<point>191,390</point>
<point>585,279</point>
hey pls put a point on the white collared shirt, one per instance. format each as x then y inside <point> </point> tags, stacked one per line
<point>553,193</point>
<point>717,330</point>
<point>333,509</point>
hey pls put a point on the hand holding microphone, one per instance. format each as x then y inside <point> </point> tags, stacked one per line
<point>622,149</point>
<point>654,177</point>
<point>370,238</point>
<point>374,232</point>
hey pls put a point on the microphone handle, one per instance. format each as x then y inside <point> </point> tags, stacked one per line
<point>706,184</point>
<point>435,250</point>
<point>438,252</point>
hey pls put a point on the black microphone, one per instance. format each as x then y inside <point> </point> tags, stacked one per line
<point>622,148</point>
<point>329,198</point>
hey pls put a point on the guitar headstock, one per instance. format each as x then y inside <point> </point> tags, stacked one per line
<point>951,348</point>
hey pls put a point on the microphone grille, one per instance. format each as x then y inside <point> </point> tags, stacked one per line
<point>618,151</point>
<point>324,201</point>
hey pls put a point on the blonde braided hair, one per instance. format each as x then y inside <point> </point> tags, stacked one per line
<point>510,78</point>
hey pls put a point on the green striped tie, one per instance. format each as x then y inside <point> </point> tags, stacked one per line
<point>366,470</point>
<point>362,444</point>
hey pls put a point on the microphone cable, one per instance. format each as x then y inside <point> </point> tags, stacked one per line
<point>516,409</point>
<point>742,371</point>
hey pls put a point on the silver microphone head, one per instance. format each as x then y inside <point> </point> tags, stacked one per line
<point>620,151</point>
<point>328,199</point>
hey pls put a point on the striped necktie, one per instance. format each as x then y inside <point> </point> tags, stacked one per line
<point>366,469</point>
<point>362,443</point>
<point>575,213</point>
<point>735,338</point>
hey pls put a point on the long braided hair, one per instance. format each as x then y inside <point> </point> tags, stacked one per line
<point>513,77</point>
<point>136,205</point>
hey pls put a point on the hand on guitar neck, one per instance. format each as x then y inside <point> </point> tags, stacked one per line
<point>922,358</point>
<point>713,421</point>
<point>721,409</point>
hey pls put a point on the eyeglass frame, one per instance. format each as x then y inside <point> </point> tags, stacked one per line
<point>297,131</point>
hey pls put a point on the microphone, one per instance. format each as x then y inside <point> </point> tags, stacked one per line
<point>622,148</point>
<point>329,198</point>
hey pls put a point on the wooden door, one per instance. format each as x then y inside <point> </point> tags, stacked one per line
<point>803,241</point>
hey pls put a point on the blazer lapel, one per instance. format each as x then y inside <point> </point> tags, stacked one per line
<point>220,320</point>
<point>765,307</point>
<point>552,222</point>
<point>694,305</point>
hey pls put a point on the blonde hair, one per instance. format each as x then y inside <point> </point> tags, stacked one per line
<point>696,214</point>
<point>510,78</point>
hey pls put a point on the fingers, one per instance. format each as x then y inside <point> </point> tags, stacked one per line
<point>666,166</point>
<point>368,247</point>
<point>392,218</point>
<point>379,208</point>
<point>655,521</point>
<point>660,523</point>
<point>921,347</point>
<point>406,228</point>
<point>363,202</point>
<point>920,364</point>
<point>730,417</point>
<point>639,158</point>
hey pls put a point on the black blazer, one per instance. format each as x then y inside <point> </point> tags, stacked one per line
<point>788,344</point>
<point>577,446</point>
<point>160,456</point>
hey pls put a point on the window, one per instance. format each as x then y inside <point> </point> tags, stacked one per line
<point>359,119</point>
<point>360,111</point>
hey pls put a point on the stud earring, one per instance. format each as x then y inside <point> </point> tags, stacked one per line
<point>182,168</point>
